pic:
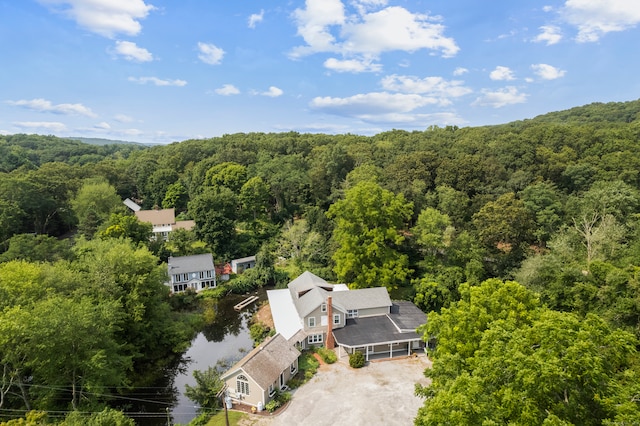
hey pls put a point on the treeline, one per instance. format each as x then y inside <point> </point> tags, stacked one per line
<point>551,202</point>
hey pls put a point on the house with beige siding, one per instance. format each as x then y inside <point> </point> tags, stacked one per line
<point>256,378</point>
<point>316,313</point>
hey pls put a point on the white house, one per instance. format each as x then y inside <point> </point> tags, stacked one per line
<point>195,272</point>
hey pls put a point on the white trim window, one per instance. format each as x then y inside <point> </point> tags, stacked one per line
<point>352,313</point>
<point>311,321</point>
<point>242,385</point>
<point>323,307</point>
<point>315,338</point>
<point>336,319</point>
<point>294,368</point>
<point>272,390</point>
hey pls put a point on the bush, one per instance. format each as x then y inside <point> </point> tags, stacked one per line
<point>258,332</point>
<point>356,360</point>
<point>327,355</point>
<point>272,405</point>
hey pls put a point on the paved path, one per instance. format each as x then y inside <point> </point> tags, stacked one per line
<point>381,393</point>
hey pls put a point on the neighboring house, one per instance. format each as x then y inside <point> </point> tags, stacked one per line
<point>240,265</point>
<point>163,222</point>
<point>194,272</point>
<point>255,379</point>
<point>312,312</point>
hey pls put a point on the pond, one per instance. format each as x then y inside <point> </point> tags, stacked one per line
<point>226,339</point>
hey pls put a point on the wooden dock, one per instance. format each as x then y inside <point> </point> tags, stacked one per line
<point>246,302</point>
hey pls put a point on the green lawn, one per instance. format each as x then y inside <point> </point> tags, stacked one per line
<point>234,418</point>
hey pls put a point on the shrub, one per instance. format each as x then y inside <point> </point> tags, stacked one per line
<point>356,360</point>
<point>258,332</point>
<point>272,405</point>
<point>327,355</point>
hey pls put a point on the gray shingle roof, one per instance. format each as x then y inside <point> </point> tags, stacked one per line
<point>305,282</point>
<point>407,316</point>
<point>371,331</point>
<point>265,363</point>
<point>363,298</point>
<point>193,263</point>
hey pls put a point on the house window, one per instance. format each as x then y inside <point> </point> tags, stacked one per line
<point>336,319</point>
<point>314,338</point>
<point>242,385</point>
<point>294,368</point>
<point>323,307</point>
<point>352,313</point>
<point>272,390</point>
<point>312,321</point>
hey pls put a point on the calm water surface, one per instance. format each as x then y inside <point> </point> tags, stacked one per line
<point>227,339</point>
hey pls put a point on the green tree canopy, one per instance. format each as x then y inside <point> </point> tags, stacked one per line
<point>368,222</point>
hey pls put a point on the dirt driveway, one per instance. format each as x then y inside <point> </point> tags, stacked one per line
<point>381,393</point>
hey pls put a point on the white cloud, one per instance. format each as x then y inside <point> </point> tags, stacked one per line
<point>436,87</point>
<point>313,25</point>
<point>158,81</point>
<point>501,97</point>
<point>49,126</point>
<point>273,92</point>
<point>374,103</point>
<point>547,72</point>
<point>395,28</point>
<point>210,53</point>
<point>256,18</point>
<point>44,105</point>
<point>388,108</point>
<point>227,90</point>
<point>352,65</point>
<point>595,18</point>
<point>325,27</point>
<point>104,17</point>
<point>102,126</point>
<point>131,52</point>
<point>460,71</point>
<point>549,34</point>
<point>501,73</point>
<point>122,118</point>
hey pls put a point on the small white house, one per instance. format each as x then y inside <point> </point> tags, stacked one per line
<point>195,272</point>
<point>240,265</point>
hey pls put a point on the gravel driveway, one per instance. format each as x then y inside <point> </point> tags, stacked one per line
<point>381,393</point>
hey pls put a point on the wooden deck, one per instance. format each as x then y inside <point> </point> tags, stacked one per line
<point>246,302</point>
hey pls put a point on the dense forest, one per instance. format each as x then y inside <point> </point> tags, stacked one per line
<point>520,241</point>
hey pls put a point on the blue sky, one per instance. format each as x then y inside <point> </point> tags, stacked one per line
<point>159,71</point>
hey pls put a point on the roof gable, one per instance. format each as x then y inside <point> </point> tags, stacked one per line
<point>305,282</point>
<point>265,363</point>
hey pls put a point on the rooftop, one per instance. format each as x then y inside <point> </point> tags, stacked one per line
<point>265,363</point>
<point>371,331</point>
<point>157,217</point>
<point>193,263</point>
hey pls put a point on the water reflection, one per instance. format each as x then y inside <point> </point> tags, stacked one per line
<point>226,338</point>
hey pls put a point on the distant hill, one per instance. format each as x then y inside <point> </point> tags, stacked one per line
<point>597,112</point>
<point>101,141</point>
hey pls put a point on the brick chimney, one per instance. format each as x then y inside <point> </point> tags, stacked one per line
<point>330,344</point>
